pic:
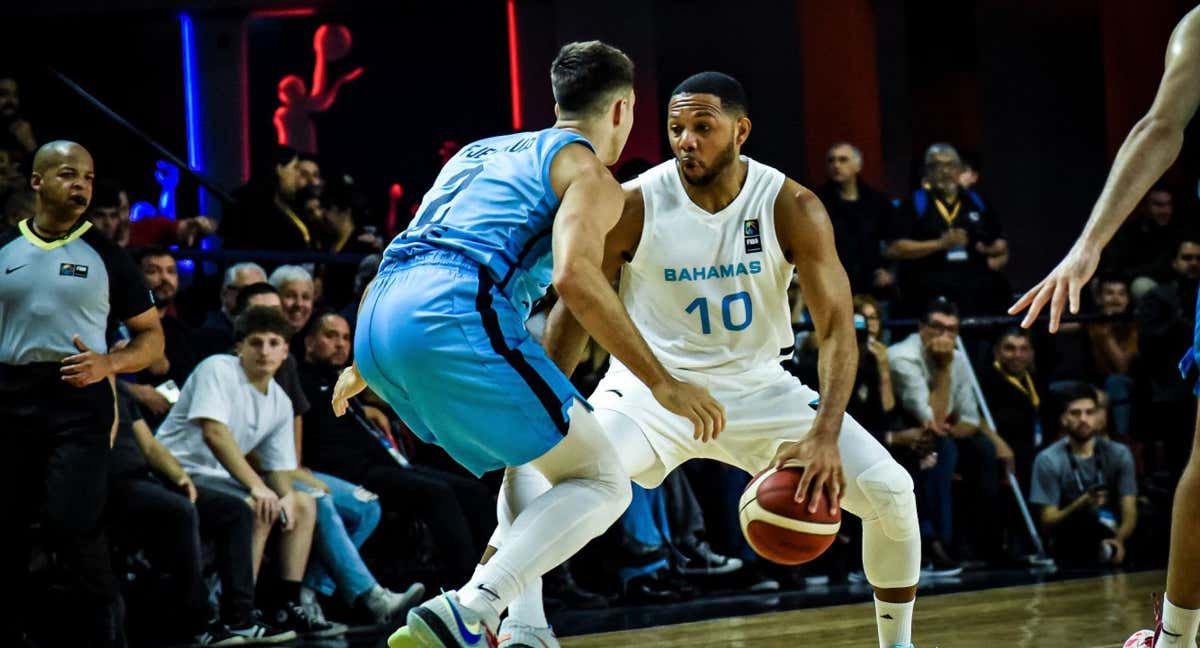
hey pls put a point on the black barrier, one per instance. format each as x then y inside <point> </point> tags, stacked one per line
<point>991,322</point>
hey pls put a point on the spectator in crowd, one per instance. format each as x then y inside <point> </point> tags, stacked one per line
<point>1145,245</point>
<point>857,212</point>
<point>11,178</point>
<point>933,385</point>
<point>154,505</point>
<point>342,208</point>
<point>229,408</point>
<point>264,214</point>
<point>19,206</point>
<point>296,291</point>
<point>309,169</point>
<point>237,276</point>
<point>459,511</point>
<point>1114,346</point>
<point>948,242</point>
<point>1014,395</point>
<point>1166,320</point>
<point>1086,487</point>
<point>157,230</point>
<point>109,212</point>
<point>16,133</point>
<point>367,268</point>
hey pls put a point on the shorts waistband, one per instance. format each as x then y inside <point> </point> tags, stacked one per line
<point>436,257</point>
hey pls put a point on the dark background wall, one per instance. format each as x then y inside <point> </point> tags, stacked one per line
<point>1040,93</point>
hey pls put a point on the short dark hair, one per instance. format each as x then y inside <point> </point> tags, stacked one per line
<point>940,306</point>
<point>1187,237</point>
<point>147,252</point>
<point>261,319</point>
<point>1073,391</point>
<point>1113,276</point>
<point>248,292</point>
<point>1012,331</point>
<point>585,74</point>
<point>726,88</point>
<point>105,193</point>
<point>314,322</point>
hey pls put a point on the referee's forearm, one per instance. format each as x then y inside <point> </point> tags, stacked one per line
<point>145,347</point>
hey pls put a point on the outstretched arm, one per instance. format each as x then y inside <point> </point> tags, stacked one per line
<point>322,99</point>
<point>1149,149</point>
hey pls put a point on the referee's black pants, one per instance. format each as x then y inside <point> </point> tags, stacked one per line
<point>56,466</point>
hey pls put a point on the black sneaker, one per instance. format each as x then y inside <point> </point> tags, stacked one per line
<point>698,559</point>
<point>256,632</point>
<point>559,584</point>
<point>218,634</point>
<point>293,616</point>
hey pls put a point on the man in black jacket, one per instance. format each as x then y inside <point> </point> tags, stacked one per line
<point>858,213</point>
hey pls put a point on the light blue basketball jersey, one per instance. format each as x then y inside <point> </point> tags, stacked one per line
<point>493,203</point>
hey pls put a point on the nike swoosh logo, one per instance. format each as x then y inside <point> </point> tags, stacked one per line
<point>471,637</point>
<point>12,270</point>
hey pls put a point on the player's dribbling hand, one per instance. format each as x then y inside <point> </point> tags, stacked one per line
<point>822,470</point>
<point>693,403</point>
<point>349,384</point>
<point>86,368</point>
<point>1060,288</point>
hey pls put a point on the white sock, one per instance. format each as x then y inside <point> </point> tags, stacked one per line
<point>527,608</point>
<point>1179,626</point>
<point>894,621</point>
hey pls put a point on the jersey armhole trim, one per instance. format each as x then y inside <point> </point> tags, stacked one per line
<point>552,199</point>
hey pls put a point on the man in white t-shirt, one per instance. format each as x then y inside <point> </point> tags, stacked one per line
<point>231,407</point>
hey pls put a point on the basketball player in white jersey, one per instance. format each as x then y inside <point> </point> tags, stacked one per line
<point>1148,151</point>
<point>705,249</point>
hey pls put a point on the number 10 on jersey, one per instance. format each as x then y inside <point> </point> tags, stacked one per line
<point>727,307</point>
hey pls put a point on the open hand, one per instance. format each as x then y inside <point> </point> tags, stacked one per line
<point>349,385</point>
<point>87,367</point>
<point>694,403</point>
<point>1060,288</point>
<point>822,470</point>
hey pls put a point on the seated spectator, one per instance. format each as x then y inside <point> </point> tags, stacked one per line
<point>1145,245</point>
<point>19,206</point>
<point>1014,396</point>
<point>1166,322</point>
<point>1114,347</point>
<point>296,291</point>
<point>264,214</point>
<point>933,385</point>
<point>1086,487</point>
<point>180,356</point>
<point>347,515</point>
<point>12,179</point>
<point>948,242</point>
<point>16,133</point>
<point>342,209</point>
<point>237,276</point>
<point>858,213</point>
<point>154,505</point>
<point>358,447</point>
<point>230,407</point>
<point>309,169</point>
<point>109,212</point>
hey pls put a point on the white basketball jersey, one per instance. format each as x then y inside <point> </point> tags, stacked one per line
<point>709,291</point>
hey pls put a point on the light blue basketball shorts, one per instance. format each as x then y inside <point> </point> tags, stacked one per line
<point>450,354</point>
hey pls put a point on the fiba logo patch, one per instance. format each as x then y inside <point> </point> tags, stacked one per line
<point>73,270</point>
<point>753,238</point>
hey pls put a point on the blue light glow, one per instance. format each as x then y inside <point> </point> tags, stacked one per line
<point>191,95</point>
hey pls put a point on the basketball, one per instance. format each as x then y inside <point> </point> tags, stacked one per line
<point>777,527</point>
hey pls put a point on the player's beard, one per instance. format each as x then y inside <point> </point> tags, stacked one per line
<point>718,166</point>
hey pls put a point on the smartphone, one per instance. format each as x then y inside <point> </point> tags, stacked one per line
<point>283,517</point>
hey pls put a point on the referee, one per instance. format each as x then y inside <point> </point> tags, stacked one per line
<point>62,281</point>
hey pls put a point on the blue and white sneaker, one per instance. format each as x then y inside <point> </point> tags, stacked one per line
<point>514,634</point>
<point>443,622</point>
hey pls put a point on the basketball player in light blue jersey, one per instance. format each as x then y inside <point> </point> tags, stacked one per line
<point>1147,153</point>
<point>441,334</point>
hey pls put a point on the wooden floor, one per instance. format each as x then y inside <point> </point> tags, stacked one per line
<point>1089,613</point>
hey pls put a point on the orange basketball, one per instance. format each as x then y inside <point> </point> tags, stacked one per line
<point>777,527</point>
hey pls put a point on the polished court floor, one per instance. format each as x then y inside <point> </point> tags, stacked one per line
<point>1087,613</point>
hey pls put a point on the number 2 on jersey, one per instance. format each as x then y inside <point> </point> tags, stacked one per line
<point>430,213</point>
<point>701,304</point>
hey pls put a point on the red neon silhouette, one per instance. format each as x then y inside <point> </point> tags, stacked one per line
<point>293,120</point>
<point>395,193</point>
<point>514,69</point>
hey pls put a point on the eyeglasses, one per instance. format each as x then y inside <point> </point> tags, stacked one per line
<point>941,329</point>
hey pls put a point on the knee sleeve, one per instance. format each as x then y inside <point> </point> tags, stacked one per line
<point>888,490</point>
<point>891,531</point>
